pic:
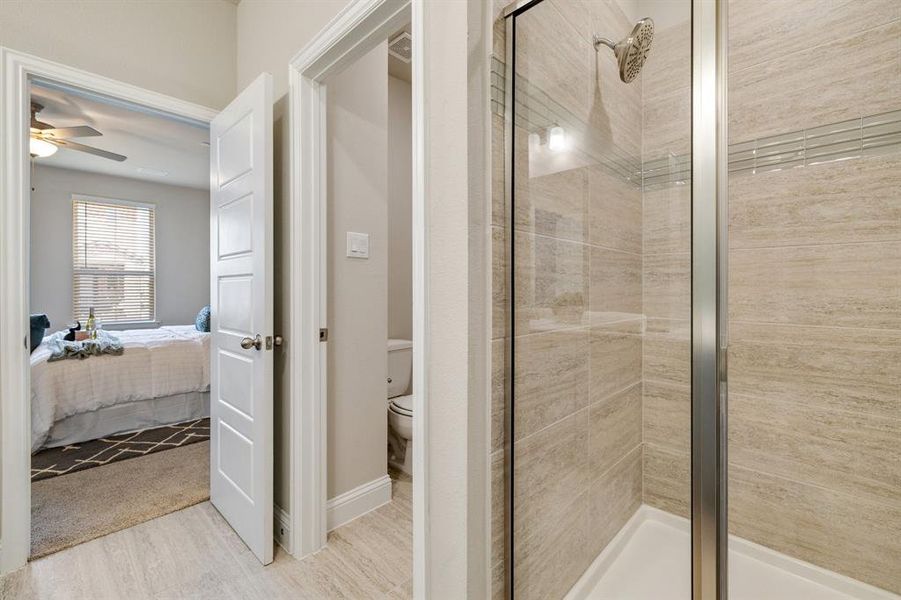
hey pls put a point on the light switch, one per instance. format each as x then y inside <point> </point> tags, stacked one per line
<point>357,245</point>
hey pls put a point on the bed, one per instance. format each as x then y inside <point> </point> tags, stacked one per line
<point>162,377</point>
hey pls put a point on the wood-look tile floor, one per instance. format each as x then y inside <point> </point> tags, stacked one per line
<point>193,553</point>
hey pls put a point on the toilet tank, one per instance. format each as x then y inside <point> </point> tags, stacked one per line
<point>400,367</point>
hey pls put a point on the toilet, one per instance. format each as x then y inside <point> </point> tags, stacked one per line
<point>400,405</point>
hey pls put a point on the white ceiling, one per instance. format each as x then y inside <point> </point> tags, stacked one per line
<point>159,148</point>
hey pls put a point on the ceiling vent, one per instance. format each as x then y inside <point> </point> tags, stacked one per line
<point>401,47</point>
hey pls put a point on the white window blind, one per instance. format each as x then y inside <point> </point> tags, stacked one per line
<point>114,257</point>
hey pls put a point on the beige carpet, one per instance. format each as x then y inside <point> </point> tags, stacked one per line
<point>78,507</point>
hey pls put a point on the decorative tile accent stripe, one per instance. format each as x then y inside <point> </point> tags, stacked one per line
<point>854,138</point>
<point>837,141</point>
<point>536,112</point>
<point>53,462</point>
<point>668,170</point>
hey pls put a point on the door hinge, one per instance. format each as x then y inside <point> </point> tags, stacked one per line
<point>323,334</point>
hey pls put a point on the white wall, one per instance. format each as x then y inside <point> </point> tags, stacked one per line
<point>358,287</point>
<point>184,49</point>
<point>182,242</point>
<point>400,215</point>
<point>455,88</point>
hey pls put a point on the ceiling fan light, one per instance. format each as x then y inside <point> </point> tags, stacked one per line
<point>41,148</point>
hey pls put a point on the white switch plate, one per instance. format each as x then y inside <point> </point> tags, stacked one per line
<point>357,245</point>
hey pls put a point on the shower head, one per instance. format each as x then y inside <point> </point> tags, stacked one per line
<point>632,51</point>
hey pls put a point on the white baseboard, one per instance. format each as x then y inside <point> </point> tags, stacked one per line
<point>281,521</point>
<point>357,502</point>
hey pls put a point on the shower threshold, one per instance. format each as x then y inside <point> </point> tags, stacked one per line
<point>649,559</point>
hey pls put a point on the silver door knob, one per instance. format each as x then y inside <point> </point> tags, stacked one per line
<point>248,343</point>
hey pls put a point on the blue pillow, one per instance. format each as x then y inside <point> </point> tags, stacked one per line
<point>39,325</point>
<point>202,322</point>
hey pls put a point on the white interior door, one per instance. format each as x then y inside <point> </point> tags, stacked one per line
<point>241,316</point>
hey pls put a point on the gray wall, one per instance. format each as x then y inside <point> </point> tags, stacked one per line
<point>287,27</point>
<point>182,242</point>
<point>400,210</point>
<point>358,288</point>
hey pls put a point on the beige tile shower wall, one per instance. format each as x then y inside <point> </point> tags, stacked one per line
<point>815,360</point>
<point>578,319</point>
<point>815,364</point>
<point>810,62</point>
<point>666,275</point>
<point>498,331</point>
<point>815,292</point>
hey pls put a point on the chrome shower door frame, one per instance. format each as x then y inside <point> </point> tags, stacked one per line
<point>709,307</point>
<point>709,249</point>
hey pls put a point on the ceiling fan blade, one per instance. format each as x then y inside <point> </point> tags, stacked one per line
<point>70,132</point>
<point>90,150</point>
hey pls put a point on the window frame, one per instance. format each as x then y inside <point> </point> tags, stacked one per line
<point>152,206</point>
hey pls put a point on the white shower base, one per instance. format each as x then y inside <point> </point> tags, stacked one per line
<point>649,559</point>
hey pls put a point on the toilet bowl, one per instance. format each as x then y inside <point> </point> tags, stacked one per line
<point>400,434</point>
<point>400,405</point>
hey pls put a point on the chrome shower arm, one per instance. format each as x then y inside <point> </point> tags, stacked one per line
<point>598,40</point>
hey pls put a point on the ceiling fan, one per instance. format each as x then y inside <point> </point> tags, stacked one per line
<point>47,139</point>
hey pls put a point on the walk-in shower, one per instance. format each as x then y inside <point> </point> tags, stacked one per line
<point>717,205</point>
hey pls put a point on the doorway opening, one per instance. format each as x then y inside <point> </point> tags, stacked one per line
<point>357,254</point>
<point>125,254</point>
<point>369,303</point>
<point>119,315</point>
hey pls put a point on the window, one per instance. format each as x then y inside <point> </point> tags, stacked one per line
<point>114,258</point>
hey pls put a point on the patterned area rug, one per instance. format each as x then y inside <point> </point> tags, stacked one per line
<point>78,457</point>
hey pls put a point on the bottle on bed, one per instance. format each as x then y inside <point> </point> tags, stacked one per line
<point>91,326</point>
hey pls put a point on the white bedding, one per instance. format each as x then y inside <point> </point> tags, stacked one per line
<point>156,363</point>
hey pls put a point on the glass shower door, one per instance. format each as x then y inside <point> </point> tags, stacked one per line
<point>618,258</point>
<point>598,226</point>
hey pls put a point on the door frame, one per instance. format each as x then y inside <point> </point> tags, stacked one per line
<point>709,300</point>
<point>16,69</point>
<point>356,30</point>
